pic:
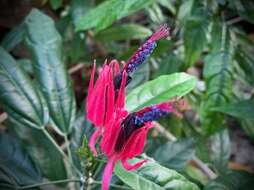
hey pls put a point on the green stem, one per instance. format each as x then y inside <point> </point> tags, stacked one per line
<point>50,183</point>
<point>113,185</point>
<point>68,148</point>
<point>60,150</point>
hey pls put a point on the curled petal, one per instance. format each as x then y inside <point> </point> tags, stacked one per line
<point>93,140</point>
<point>129,166</point>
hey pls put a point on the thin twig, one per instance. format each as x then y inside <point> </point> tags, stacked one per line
<point>202,166</point>
<point>76,68</point>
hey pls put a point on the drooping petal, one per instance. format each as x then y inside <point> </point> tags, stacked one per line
<point>93,140</point>
<point>107,173</point>
<point>135,144</point>
<point>90,88</point>
<point>129,166</point>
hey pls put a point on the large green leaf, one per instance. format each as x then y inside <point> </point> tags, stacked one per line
<point>159,90</point>
<point>245,9</point>
<point>124,32</point>
<point>16,167</point>
<point>107,12</point>
<point>45,45</point>
<point>218,78</point>
<point>174,154</point>
<point>220,150</point>
<point>42,151</point>
<point>17,94</point>
<point>14,37</point>
<point>232,180</point>
<point>153,176</point>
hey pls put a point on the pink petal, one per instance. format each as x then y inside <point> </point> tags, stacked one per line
<point>90,88</point>
<point>162,32</point>
<point>107,173</point>
<point>128,166</point>
<point>93,140</point>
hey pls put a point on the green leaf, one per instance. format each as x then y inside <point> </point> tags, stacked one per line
<point>109,11</point>
<point>218,78</point>
<point>185,10</point>
<point>123,32</point>
<point>14,37</point>
<point>241,110</point>
<point>78,8</point>
<point>194,38</point>
<point>181,152</point>
<point>55,4</point>
<point>16,167</point>
<point>41,150</point>
<point>220,150</point>
<point>232,180</point>
<point>17,94</point>
<point>152,176</point>
<point>45,45</point>
<point>159,90</point>
<point>245,9</point>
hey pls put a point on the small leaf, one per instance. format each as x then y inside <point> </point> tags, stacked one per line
<point>174,154</point>
<point>220,150</point>
<point>14,37</point>
<point>18,96</point>
<point>45,45</point>
<point>159,90</point>
<point>123,32</point>
<point>232,180</point>
<point>241,110</point>
<point>16,167</point>
<point>55,4</point>
<point>152,176</point>
<point>107,12</point>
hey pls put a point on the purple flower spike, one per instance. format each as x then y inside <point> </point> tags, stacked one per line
<point>146,49</point>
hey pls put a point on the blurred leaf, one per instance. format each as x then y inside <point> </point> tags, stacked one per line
<point>195,175</point>
<point>16,167</point>
<point>45,45</point>
<point>220,150</point>
<point>169,5</point>
<point>55,4</point>
<point>245,9</point>
<point>174,154</point>
<point>185,10</point>
<point>123,32</point>
<point>18,96</point>
<point>42,151</point>
<point>109,11</point>
<point>194,38</point>
<point>232,180</point>
<point>241,110</point>
<point>218,77</point>
<point>152,176</point>
<point>78,9</point>
<point>14,37</point>
<point>159,90</point>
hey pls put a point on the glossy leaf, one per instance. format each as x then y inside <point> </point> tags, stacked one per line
<point>18,96</point>
<point>41,150</point>
<point>109,11</point>
<point>232,180</point>
<point>220,150</point>
<point>159,90</point>
<point>45,45</point>
<point>153,176</point>
<point>16,167</point>
<point>124,32</point>
<point>14,37</point>
<point>175,154</point>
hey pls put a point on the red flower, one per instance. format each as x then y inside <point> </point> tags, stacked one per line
<point>100,99</point>
<point>125,135</point>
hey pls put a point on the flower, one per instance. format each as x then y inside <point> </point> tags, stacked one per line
<point>125,135</point>
<point>100,99</point>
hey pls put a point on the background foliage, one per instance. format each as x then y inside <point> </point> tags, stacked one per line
<point>46,51</point>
